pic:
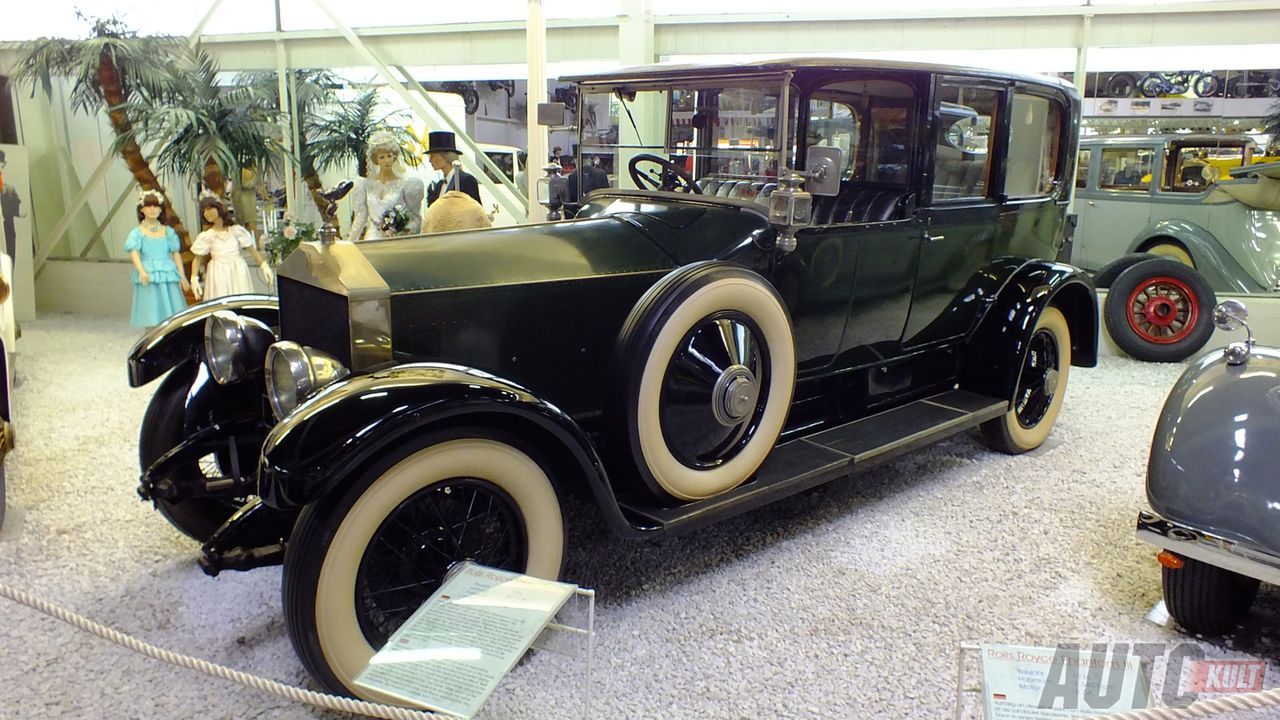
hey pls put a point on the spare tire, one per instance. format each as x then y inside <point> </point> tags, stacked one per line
<point>1159,310</point>
<point>1108,273</point>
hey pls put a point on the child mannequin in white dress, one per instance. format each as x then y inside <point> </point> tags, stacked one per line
<point>222,241</point>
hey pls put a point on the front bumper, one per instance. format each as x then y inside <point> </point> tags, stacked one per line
<point>1198,545</point>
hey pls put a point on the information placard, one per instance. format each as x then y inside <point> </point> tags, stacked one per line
<point>450,654</point>
<point>1036,683</point>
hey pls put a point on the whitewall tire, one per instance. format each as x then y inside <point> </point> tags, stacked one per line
<point>360,562</point>
<point>1042,383</point>
<point>704,370</point>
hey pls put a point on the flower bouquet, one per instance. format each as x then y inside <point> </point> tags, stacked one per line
<point>395,221</point>
<point>285,238</point>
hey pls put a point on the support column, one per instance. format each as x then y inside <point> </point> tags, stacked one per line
<point>635,47</point>
<point>535,40</point>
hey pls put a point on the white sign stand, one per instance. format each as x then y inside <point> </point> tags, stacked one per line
<point>452,652</point>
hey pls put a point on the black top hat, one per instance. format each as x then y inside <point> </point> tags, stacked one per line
<point>441,141</point>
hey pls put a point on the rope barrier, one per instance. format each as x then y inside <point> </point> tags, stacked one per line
<point>310,697</point>
<point>1201,708</point>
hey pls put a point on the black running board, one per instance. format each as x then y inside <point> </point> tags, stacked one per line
<point>841,451</point>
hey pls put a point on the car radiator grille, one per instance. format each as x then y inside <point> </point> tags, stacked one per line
<point>317,318</point>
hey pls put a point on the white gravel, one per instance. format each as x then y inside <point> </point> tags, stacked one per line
<point>846,602</point>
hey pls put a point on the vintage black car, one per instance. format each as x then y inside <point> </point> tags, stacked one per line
<point>704,338</point>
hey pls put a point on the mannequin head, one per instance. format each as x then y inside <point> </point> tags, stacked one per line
<point>443,161</point>
<point>212,208</point>
<point>150,205</point>
<point>383,153</point>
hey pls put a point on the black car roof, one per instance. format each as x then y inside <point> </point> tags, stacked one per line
<point>646,73</point>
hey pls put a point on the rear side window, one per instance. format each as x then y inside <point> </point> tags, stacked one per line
<point>1082,167</point>
<point>962,156</point>
<point>1126,169</point>
<point>1035,138</point>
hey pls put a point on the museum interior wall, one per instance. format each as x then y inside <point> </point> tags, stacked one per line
<point>64,147</point>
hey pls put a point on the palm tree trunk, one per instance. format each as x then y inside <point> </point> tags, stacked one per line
<point>114,95</point>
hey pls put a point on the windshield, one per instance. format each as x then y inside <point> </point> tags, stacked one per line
<point>721,135</point>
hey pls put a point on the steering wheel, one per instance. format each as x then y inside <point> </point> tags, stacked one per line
<point>669,176</point>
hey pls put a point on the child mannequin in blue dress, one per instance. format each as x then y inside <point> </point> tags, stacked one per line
<point>158,277</point>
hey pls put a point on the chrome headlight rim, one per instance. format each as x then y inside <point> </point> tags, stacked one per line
<point>295,372</point>
<point>223,343</point>
<point>234,346</point>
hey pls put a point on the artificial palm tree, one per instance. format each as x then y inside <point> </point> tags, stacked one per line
<point>342,134</point>
<point>110,69</point>
<point>210,131</point>
<point>312,90</point>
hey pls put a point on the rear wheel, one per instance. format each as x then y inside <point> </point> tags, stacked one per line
<point>1157,310</point>
<point>1172,251</point>
<point>1121,85</point>
<point>1205,598</point>
<point>163,428</point>
<point>360,562</point>
<point>1042,384</point>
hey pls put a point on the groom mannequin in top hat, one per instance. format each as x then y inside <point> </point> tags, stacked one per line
<point>442,151</point>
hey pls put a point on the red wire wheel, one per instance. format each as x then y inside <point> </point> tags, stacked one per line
<point>1155,310</point>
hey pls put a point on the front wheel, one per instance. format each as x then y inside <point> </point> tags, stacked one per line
<point>163,428</point>
<point>1042,384</point>
<point>1205,598</point>
<point>360,562</point>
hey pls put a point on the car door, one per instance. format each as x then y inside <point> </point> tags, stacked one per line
<point>1116,206</point>
<point>959,231</point>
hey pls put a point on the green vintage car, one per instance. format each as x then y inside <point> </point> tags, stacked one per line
<point>798,274</point>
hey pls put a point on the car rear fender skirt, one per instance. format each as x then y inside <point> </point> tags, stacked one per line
<point>995,352</point>
<point>180,337</point>
<point>326,440</point>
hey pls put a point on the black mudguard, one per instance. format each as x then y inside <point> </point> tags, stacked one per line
<point>180,337</point>
<point>995,352</point>
<point>325,442</point>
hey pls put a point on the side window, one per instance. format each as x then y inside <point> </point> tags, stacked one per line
<point>1126,169</point>
<point>1192,169</point>
<point>1082,167</point>
<point>962,155</point>
<point>1035,134</point>
<point>834,124</point>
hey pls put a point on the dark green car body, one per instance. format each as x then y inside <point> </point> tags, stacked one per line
<point>917,302</point>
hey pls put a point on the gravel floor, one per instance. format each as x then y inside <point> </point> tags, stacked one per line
<point>846,602</point>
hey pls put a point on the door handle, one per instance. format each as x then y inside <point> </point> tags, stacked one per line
<point>1092,203</point>
<point>928,237</point>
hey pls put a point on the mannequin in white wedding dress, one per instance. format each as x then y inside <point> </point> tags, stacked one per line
<point>385,204</point>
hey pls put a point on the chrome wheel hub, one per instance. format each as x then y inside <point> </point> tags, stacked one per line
<point>734,395</point>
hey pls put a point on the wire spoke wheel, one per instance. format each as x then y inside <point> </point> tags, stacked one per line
<point>1038,382</point>
<point>459,519</point>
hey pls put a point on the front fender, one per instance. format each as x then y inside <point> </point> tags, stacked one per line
<point>326,439</point>
<point>178,338</point>
<point>1212,259</point>
<point>1216,448</point>
<point>996,349</point>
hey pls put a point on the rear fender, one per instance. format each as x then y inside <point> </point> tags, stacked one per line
<point>326,441</point>
<point>1213,261</point>
<point>180,337</point>
<point>996,350</point>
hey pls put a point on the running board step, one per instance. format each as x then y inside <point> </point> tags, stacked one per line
<point>841,451</point>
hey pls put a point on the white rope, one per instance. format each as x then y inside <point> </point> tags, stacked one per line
<point>1201,708</point>
<point>331,702</point>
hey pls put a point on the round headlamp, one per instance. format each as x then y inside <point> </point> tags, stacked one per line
<point>234,345</point>
<point>294,373</point>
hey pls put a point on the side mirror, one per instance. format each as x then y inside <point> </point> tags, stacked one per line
<point>822,170</point>
<point>1230,315</point>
